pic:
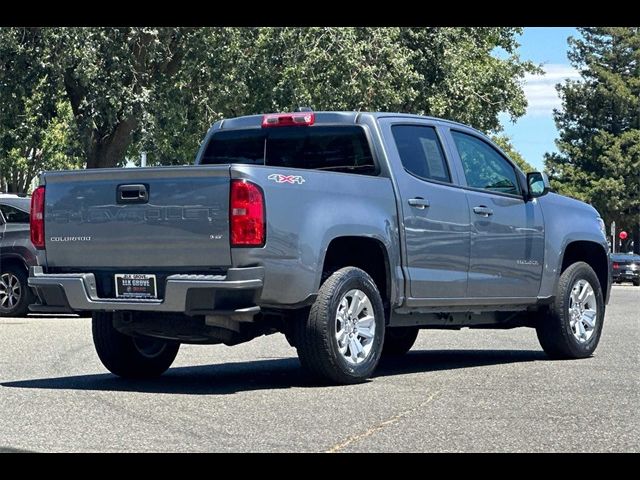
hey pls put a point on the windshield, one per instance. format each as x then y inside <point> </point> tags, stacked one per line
<point>335,148</point>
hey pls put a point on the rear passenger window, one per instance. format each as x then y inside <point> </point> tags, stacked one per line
<point>420,152</point>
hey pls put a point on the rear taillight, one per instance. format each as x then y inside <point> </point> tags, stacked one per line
<point>246,214</point>
<point>288,119</point>
<point>616,266</point>
<point>37,218</point>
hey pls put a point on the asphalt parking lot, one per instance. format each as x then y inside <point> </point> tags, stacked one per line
<point>466,391</point>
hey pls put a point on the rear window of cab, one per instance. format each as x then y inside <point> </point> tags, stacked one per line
<point>332,148</point>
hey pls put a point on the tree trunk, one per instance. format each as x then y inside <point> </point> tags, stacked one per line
<point>103,149</point>
<point>108,150</point>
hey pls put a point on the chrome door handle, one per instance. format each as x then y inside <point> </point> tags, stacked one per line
<point>482,210</point>
<point>419,202</point>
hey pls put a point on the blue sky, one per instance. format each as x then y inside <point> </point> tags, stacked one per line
<point>534,133</point>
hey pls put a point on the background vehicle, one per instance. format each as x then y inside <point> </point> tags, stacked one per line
<point>345,231</point>
<point>626,268</point>
<point>17,254</point>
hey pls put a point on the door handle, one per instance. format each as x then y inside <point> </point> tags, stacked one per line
<point>482,210</point>
<point>419,202</point>
<point>136,193</point>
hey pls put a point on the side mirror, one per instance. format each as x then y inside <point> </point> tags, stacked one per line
<point>538,184</point>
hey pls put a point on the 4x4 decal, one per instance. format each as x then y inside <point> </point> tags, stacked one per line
<point>279,178</point>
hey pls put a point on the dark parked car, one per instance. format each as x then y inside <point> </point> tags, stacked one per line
<point>626,268</point>
<point>17,254</point>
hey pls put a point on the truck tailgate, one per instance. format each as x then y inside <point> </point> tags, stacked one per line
<point>138,217</point>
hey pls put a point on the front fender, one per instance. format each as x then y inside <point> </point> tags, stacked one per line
<point>566,221</point>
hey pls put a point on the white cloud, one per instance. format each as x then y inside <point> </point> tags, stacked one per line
<point>540,89</point>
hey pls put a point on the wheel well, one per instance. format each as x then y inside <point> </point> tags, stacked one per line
<point>367,254</point>
<point>12,261</point>
<point>591,253</point>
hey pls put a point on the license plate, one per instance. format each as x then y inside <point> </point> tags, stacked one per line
<point>135,285</point>
<point>629,272</point>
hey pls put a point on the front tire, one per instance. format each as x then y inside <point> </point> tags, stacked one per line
<point>341,340</point>
<point>130,357</point>
<point>574,323</point>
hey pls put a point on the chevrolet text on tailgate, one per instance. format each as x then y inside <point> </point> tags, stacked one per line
<point>348,232</point>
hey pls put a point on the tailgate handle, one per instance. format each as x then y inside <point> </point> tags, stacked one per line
<point>136,193</point>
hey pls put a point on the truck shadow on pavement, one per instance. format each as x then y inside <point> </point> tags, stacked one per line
<point>226,378</point>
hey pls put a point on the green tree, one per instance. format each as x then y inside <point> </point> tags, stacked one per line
<point>110,76</point>
<point>507,147</point>
<point>256,70</point>
<point>448,72</point>
<point>159,89</point>
<point>36,125</point>
<point>182,107</point>
<point>599,124</point>
<point>51,146</point>
<point>461,78</point>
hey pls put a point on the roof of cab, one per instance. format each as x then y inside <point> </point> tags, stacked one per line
<point>255,121</point>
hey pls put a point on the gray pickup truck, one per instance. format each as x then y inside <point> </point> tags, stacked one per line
<point>348,232</point>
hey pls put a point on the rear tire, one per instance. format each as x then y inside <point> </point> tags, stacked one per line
<point>399,340</point>
<point>15,293</point>
<point>341,339</point>
<point>636,283</point>
<point>130,357</point>
<point>570,330</point>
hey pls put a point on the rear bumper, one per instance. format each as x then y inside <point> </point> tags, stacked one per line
<point>626,277</point>
<point>234,293</point>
